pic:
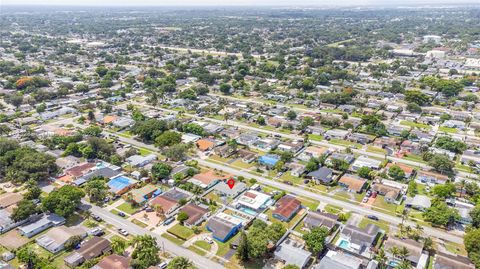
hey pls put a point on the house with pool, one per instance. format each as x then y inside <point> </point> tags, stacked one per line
<point>253,202</point>
<point>358,240</point>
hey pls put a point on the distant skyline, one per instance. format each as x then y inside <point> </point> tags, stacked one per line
<point>236,2</point>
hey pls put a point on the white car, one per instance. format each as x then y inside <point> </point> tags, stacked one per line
<point>208,239</point>
<point>123,232</point>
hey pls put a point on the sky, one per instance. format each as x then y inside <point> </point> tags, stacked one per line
<point>234,2</point>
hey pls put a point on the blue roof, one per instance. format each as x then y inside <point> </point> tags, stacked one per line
<point>269,159</point>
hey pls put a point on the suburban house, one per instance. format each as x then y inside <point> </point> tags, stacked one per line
<point>419,202</point>
<point>320,219</point>
<point>444,260</point>
<point>223,226</point>
<point>113,261</point>
<point>415,250</point>
<point>105,172</point>
<point>322,175</point>
<point>296,169</point>
<point>42,224</point>
<point>224,151</point>
<point>209,178</point>
<point>364,161</point>
<point>168,202</point>
<point>206,144</point>
<point>471,156</point>
<point>290,147</point>
<point>141,161</point>
<point>339,260</point>
<point>91,249</point>
<point>410,147</point>
<point>286,207</point>
<point>223,189</point>
<point>252,200</point>
<point>269,160</point>
<point>352,183</point>
<point>313,152</point>
<point>196,214</point>
<point>140,196</point>
<point>54,240</point>
<point>121,184</point>
<point>409,171</point>
<point>291,254</point>
<point>389,193</point>
<point>355,239</point>
<point>336,134</point>
<point>431,177</point>
<point>349,158</point>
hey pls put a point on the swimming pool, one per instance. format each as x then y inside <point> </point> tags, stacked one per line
<point>344,244</point>
<point>248,211</point>
<point>393,263</point>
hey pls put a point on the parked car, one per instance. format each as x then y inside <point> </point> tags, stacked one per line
<point>374,194</point>
<point>372,217</point>
<point>149,209</point>
<point>97,218</point>
<point>368,194</point>
<point>121,214</point>
<point>168,221</point>
<point>365,199</point>
<point>96,231</point>
<point>162,265</point>
<point>208,239</point>
<point>123,232</point>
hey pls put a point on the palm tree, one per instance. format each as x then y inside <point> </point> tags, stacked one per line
<point>403,253</point>
<point>180,263</point>
<point>381,258</point>
<point>394,251</point>
<point>428,244</point>
<point>118,245</point>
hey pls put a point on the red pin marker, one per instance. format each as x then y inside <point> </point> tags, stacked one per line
<point>231,183</point>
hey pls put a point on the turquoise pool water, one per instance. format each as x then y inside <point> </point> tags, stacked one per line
<point>248,211</point>
<point>393,263</point>
<point>344,244</point>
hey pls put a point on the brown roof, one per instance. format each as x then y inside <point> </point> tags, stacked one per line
<point>10,198</point>
<point>209,177</point>
<point>407,169</point>
<point>113,261</point>
<point>194,213</point>
<point>386,190</point>
<point>414,248</point>
<point>353,183</point>
<point>448,261</point>
<point>94,247</point>
<point>205,144</point>
<point>166,203</point>
<point>286,206</point>
<point>79,170</point>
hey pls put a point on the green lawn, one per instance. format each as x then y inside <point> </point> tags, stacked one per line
<point>288,177</point>
<point>223,248</point>
<point>345,143</point>
<point>315,137</point>
<point>175,240</point>
<point>382,224</point>
<point>381,203</point>
<point>114,211</point>
<point>306,202</point>
<point>127,208</point>
<point>415,124</point>
<point>181,231</point>
<point>139,223</point>
<point>415,158</point>
<point>376,150</point>
<point>333,209</point>
<point>203,244</point>
<point>242,164</point>
<point>197,250</point>
<point>448,129</point>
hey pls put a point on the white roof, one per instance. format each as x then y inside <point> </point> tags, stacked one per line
<point>256,202</point>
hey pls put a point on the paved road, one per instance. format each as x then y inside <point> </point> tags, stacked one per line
<point>110,218</point>
<point>319,197</point>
